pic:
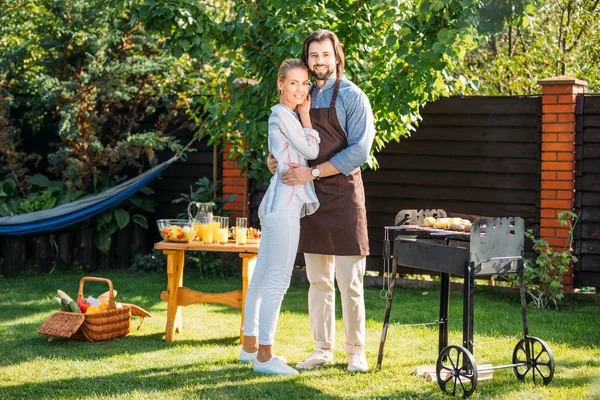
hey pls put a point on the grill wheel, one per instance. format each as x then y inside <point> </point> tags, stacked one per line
<point>537,361</point>
<point>456,371</point>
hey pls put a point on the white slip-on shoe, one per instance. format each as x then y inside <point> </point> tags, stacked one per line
<point>247,358</point>
<point>275,366</point>
<point>318,358</point>
<point>357,362</point>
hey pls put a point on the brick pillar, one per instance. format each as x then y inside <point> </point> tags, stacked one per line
<point>234,182</point>
<point>558,159</point>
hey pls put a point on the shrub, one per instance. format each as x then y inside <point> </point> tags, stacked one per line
<point>543,276</point>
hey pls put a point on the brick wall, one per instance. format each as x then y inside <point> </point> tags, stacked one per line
<point>234,182</point>
<point>558,158</point>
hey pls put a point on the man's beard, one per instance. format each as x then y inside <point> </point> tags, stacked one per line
<point>322,76</point>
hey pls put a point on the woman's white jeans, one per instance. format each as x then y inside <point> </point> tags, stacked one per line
<point>273,271</point>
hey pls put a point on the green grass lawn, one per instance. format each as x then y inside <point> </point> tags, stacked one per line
<point>202,362</point>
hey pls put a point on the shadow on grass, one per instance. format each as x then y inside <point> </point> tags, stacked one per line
<point>25,349</point>
<point>207,381</point>
<point>186,381</point>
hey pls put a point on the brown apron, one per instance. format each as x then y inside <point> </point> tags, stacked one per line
<point>339,226</point>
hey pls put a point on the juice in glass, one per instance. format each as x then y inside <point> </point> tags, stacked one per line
<point>216,225</point>
<point>198,227</point>
<point>223,235</point>
<point>207,230</point>
<point>241,230</point>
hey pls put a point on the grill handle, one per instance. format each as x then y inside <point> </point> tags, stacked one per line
<point>506,258</point>
<point>386,250</point>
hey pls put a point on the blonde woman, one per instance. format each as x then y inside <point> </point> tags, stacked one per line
<point>291,140</point>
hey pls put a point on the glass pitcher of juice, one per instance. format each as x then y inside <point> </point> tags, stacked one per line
<point>196,211</point>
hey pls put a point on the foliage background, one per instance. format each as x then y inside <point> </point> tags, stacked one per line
<point>86,74</point>
<point>402,54</point>
<point>558,37</point>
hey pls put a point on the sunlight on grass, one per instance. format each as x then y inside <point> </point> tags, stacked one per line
<point>202,361</point>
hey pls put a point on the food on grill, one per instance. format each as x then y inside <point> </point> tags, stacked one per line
<point>442,223</point>
<point>428,221</point>
<point>456,227</point>
<point>453,224</point>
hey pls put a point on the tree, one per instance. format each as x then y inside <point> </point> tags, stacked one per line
<point>402,54</point>
<point>562,39</point>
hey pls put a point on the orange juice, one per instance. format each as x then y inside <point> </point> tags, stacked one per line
<point>216,226</point>
<point>223,235</point>
<point>240,235</point>
<point>207,233</point>
<point>198,228</point>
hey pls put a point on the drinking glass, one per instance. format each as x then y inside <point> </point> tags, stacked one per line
<point>207,230</point>
<point>216,225</point>
<point>241,230</point>
<point>223,230</point>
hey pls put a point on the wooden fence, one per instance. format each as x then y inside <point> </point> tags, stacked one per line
<point>587,194</point>
<point>470,155</point>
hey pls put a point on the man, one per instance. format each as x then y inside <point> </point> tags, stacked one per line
<point>334,239</point>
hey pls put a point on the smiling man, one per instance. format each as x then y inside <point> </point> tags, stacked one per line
<point>334,239</point>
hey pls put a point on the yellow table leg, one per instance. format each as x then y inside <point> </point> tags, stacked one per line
<point>248,264</point>
<point>175,259</point>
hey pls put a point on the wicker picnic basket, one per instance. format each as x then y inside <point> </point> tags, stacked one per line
<point>101,325</point>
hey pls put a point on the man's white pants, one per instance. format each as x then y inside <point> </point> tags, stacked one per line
<point>273,271</point>
<point>348,271</point>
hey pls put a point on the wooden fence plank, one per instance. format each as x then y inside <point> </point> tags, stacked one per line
<point>484,105</point>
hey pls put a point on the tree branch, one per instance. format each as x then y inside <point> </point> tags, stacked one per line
<point>582,30</point>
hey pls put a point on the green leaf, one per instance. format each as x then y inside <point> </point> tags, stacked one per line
<point>9,186</point>
<point>102,241</point>
<point>140,220</point>
<point>141,203</point>
<point>39,180</point>
<point>177,51</point>
<point>391,40</point>
<point>437,5</point>
<point>122,217</point>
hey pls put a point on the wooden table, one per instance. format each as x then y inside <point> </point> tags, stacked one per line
<point>178,296</point>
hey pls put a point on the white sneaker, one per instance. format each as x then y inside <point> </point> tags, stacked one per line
<point>318,358</point>
<point>247,358</point>
<point>357,362</point>
<point>275,366</point>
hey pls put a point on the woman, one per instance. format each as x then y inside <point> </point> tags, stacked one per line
<point>291,140</point>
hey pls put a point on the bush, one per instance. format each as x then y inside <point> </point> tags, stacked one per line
<point>543,276</point>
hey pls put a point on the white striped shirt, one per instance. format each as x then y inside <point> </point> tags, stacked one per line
<point>289,142</point>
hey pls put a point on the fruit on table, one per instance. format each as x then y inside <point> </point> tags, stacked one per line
<point>175,233</point>
<point>251,233</point>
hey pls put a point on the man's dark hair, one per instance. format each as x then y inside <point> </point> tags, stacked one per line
<point>320,36</point>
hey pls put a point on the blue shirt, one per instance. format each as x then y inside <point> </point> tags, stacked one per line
<point>355,116</point>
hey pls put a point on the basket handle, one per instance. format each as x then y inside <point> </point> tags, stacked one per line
<point>111,294</point>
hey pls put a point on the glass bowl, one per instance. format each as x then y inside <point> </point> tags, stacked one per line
<point>176,230</point>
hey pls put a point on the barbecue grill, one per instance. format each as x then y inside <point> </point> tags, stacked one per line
<point>492,247</point>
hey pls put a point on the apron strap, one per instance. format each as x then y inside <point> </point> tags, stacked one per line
<point>336,89</point>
